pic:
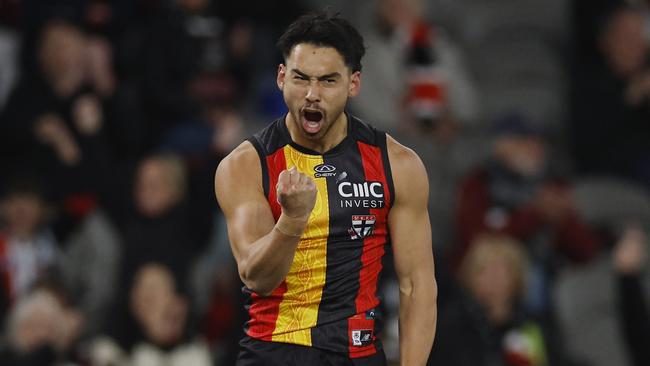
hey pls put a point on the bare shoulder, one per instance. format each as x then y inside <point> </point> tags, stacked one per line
<point>243,161</point>
<point>408,171</point>
<point>241,157</point>
<point>238,173</point>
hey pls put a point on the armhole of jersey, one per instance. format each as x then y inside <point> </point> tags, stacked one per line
<point>261,154</point>
<point>382,140</point>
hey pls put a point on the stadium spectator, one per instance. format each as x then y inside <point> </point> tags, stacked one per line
<point>160,330</point>
<point>53,123</point>
<point>29,253</point>
<point>484,322</point>
<point>157,228</point>
<point>515,193</point>
<point>611,101</point>
<point>414,76</point>
<point>41,331</point>
<point>189,76</point>
<point>90,269</point>
<point>196,76</point>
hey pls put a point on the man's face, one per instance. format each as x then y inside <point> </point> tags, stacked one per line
<point>494,281</point>
<point>23,213</point>
<point>154,192</point>
<point>525,155</point>
<point>316,85</point>
<point>62,49</point>
<point>624,43</point>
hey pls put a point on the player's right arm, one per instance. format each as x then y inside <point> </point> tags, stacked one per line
<point>263,249</point>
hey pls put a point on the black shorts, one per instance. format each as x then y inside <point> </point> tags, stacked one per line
<point>254,352</point>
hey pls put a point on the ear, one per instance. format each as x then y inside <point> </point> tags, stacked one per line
<point>355,84</point>
<point>282,73</point>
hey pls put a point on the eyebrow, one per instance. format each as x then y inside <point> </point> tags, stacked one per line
<point>323,77</point>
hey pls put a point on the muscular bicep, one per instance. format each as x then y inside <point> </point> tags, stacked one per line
<point>411,236</point>
<point>248,221</point>
<point>411,239</point>
<point>240,195</point>
<point>409,220</point>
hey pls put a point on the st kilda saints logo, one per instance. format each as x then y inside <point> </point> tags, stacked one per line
<point>324,171</point>
<point>362,226</point>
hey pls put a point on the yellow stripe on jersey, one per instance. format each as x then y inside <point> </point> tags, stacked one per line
<point>298,311</point>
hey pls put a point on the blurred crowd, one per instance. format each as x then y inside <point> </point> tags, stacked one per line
<point>532,118</point>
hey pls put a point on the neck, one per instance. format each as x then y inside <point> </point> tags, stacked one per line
<point>332,137</point>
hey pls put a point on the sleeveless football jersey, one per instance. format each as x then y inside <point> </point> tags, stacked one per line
<point>328,299</point>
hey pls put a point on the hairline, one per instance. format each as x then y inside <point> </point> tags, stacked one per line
<point>320,45</point>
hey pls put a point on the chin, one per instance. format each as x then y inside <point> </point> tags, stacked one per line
<point>313,136</point>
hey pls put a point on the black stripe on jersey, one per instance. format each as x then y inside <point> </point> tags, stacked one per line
<point>343,253</point>
<point>272,137</point>
<point>369,134</point>
<point>265,170</point>
<point>363,132</point>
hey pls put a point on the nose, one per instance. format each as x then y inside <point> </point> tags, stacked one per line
<point>313,94</point>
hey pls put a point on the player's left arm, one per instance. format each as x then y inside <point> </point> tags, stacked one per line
<point>410,232</point>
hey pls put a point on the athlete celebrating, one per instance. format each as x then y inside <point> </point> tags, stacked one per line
<point>312,204</point>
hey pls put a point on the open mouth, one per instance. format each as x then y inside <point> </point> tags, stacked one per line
<point>312,120</point>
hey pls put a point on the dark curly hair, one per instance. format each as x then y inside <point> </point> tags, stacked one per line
<point>323,29</point>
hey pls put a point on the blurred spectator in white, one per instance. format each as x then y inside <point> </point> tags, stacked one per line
<point>40,331</point>
<point>484,322</point>
<point>514,192</point>
<point>630,260</point>
<point>90,269</point>
<point>611,101</point>
<point>414,78</point>
<point>29,253</point>
<point>160,315</point>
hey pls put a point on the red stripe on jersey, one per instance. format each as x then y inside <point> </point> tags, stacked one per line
<point>373,246</point>
<point>275,164</point>
<point>263,312</point>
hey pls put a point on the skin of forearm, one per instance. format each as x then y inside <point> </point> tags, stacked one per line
<point>417,315</point>
<point>270,257</point>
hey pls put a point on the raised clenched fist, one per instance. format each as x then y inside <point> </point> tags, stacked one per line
<point>296,193</point>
